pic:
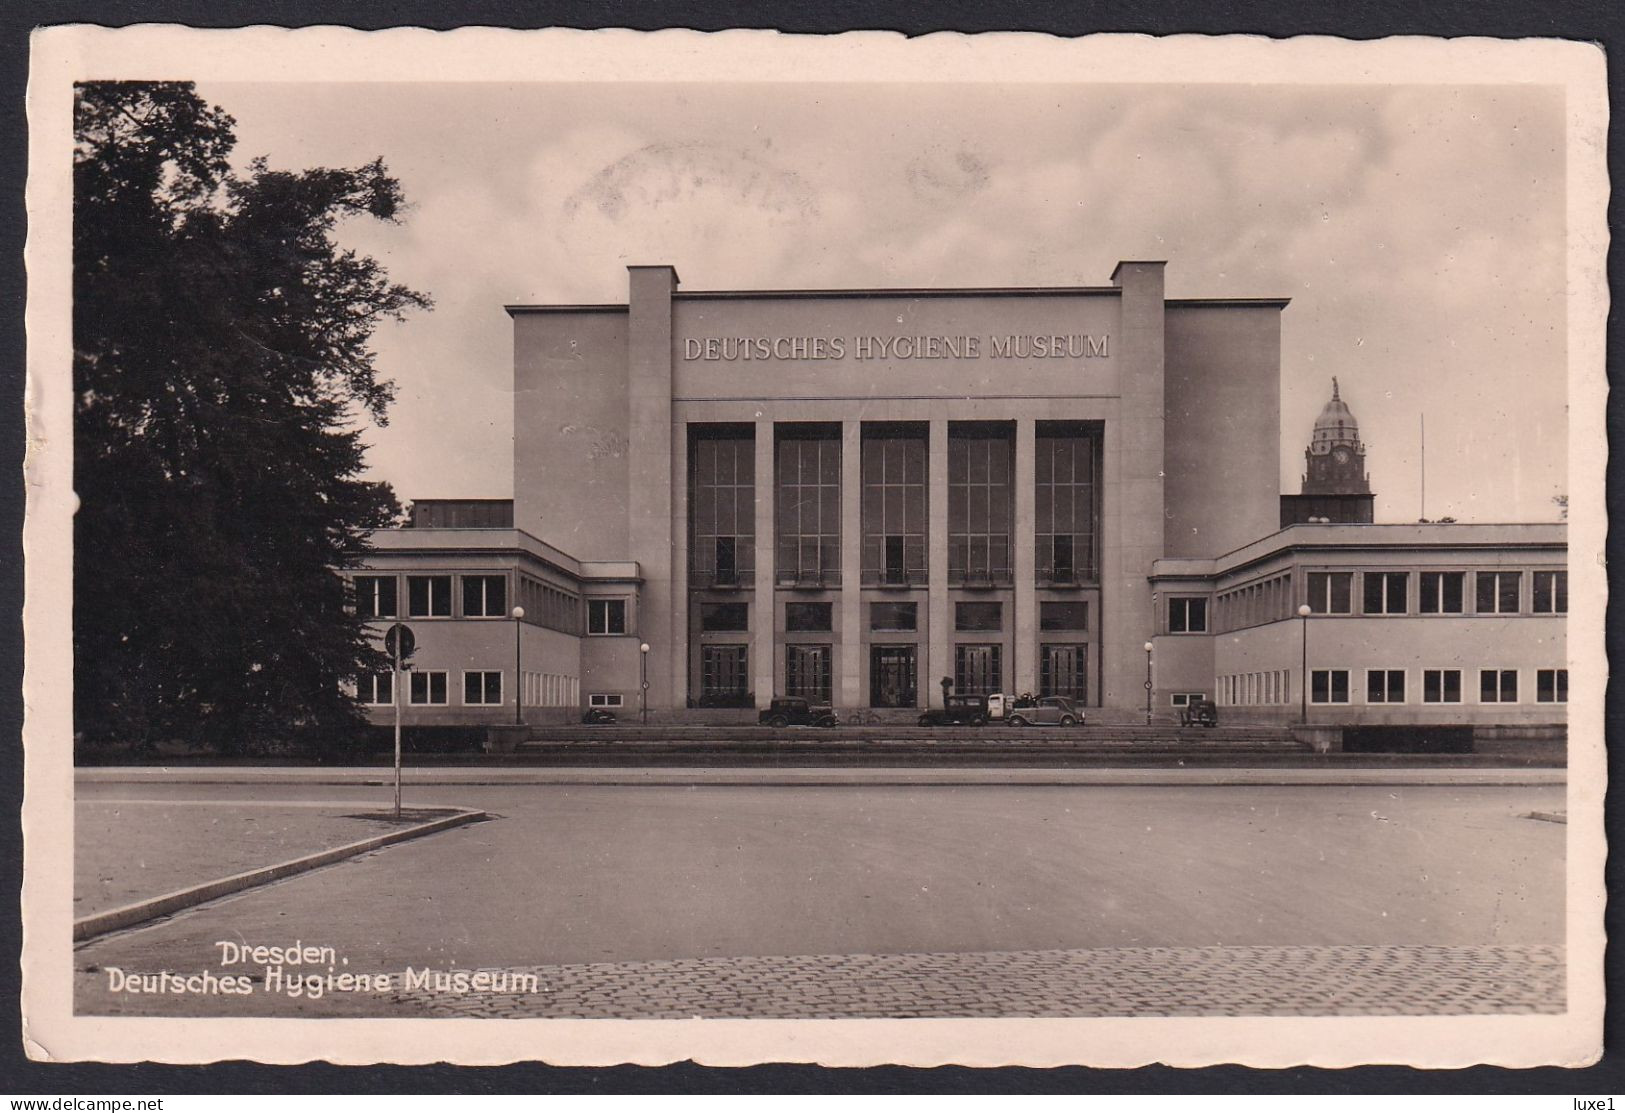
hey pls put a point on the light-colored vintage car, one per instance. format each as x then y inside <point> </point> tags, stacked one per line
<point>1050,711</point>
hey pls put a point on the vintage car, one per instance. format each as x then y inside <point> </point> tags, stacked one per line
<point>1199,713</point>
<point>960,710</point>
<point>1050,711</point>
<point>797,712</point>
<point>597,715</point>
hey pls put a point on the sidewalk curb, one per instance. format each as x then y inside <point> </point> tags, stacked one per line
<point>129,915</point>
<point>851,776</point>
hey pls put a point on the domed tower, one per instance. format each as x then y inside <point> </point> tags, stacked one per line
<point>1335,456</point>
<point>1335,486</point>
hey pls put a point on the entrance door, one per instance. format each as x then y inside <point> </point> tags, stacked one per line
<point>893,681</point>
<point>724,678</point>
<point>1064,671</point>
<point>807,672</point>
<point>976,670</point>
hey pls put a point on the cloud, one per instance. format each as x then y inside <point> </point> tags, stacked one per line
<point>1419,231</point>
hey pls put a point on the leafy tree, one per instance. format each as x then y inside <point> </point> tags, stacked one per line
<point>222,373</point>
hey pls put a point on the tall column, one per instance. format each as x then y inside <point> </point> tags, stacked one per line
<point>849,684</point>
<point>649,502</point>
<point>939,660</point>
<point>1134,474</point>
<point>1025,626</point>
<point>764,623</point>
<point>678,649</point>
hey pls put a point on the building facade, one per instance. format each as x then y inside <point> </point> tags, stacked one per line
<point>854,495</point>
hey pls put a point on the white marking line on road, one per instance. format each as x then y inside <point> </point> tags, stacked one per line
<point>100,923</point>
<point>853,776</point>
<point>219,802</point>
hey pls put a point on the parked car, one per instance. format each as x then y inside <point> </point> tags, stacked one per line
<point>1050,711</point>
<point>797,712</point>
<point>1199,713</point>
<point>960,710</point>
<point>596,715</point>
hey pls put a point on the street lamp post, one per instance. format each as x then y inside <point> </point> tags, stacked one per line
<point>643,672</point>
<point>518,669</point>
<point>1303,668</point>
<point>1147,683</point>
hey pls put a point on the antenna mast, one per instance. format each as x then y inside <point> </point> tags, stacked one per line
<point>1422,419</point>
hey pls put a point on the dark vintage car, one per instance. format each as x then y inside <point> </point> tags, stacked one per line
<point>1049,711</point>
<point>797,712</point>
<point>595,715</point>
<point>1199,713</point>
<point>960,710</point>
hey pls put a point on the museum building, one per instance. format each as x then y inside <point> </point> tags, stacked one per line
<point>851,495</point>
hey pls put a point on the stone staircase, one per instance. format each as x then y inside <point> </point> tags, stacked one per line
<point>906,744</point>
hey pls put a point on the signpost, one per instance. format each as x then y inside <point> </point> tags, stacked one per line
<point>400,643</point>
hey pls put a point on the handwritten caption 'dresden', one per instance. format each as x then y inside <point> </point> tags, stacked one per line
<point>302,970</point>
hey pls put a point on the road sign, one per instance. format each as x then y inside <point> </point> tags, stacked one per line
<point>402,634</point>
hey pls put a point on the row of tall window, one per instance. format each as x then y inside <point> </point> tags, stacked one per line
<point>1441,685</point>
<point>479,596</point>
<point>1374,593</point>
<point>893,672</point>
<point>1497,592</point>
<point>481,688</point>
<point>814,617</point>
<point>486,596</point>
<point>893,504</point>
<point>431,688</point>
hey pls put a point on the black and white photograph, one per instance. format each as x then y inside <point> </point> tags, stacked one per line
<point>984,549</point>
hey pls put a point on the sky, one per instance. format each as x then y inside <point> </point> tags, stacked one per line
<point>1418,230</point>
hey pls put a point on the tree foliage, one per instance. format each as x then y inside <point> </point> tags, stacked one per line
<point>222,374</point>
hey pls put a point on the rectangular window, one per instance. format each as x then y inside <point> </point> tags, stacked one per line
<point>1185,699</point>
<point>1551,685</point>
<point>377,688</point>
<point>722,504</point>
<point>1187,616</point>
<point>605,699</point>
<point>485,597</point>
<point>725,616</point>
<point>375,596</point>
<point>1385,592</point>
<point>1498,592</point>
<point>1064,472</point>
<point>816,617</point>
<point>979,507</point>
<point>808,507</point>
<point>1441,685</point>
<point>1385,685</point>
<point>1331,592</point>
<point>1551,593</point>
<point>427,688</point>
<point>894,616</point>
<point>484,687</point>
<point>1497,685</point>
<point>428,596</point>
<point>1329,686</point>
<point>976,670</point>
<point>606,616</point>
<point>1441,592</point>
<point>727,562</point>
<point>979,616</point>
<point>807,672</point>
<point>894,503</point>
<point>1063,616</point>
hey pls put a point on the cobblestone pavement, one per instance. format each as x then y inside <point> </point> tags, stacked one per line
<point>1115,981</point>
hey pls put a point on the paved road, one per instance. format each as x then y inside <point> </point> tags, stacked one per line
<point>574,875</point>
